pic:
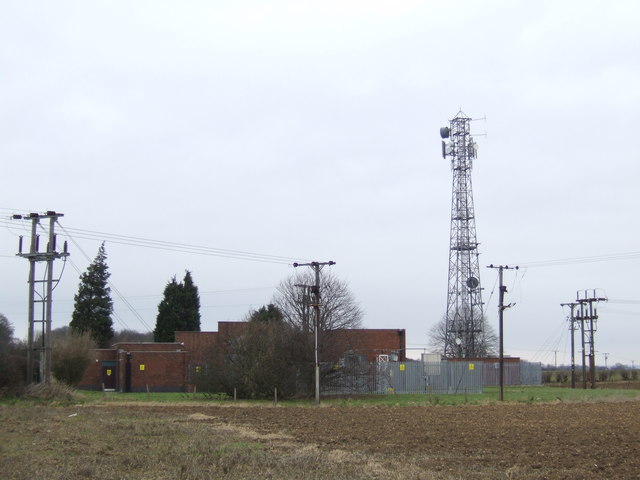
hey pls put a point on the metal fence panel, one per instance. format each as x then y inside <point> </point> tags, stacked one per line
<point>521,373</point>
<point>530,373</point>
<point>408,377</point>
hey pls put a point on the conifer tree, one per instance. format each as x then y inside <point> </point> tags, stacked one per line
<point>93,306</point>
<point>191,304</point>
<point>179,310</point>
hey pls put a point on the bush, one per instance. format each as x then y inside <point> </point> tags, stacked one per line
<point>13,370</point>
<point>13,360</point>
<point>71,357</point>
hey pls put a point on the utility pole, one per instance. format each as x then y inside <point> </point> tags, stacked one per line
<point>501,308</point>
<point>572,322</point>
<point>316,266</point>
<point>305,305</point>
<point>588,316</point>
<point>46,298</point>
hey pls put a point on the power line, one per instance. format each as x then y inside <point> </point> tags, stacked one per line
<point>180,247</point>
<point>575,260</point>
<point>170,246</point>
<point>111,285</point>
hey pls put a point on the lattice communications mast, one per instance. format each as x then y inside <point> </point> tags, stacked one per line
<point>464,321</point>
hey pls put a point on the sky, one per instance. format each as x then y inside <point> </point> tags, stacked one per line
<point>309,131</point>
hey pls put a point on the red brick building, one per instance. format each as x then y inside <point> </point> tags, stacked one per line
<point>138,367</point>
<point>164,367</point>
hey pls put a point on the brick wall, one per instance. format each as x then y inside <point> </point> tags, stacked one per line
<point>164,367</point>
<point>149,346</point>
<point>200,345</point>
<point>153,371</point>
<point>92,379</point>
<point>370,342</point>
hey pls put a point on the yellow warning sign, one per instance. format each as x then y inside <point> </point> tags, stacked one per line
<point>472,366</point>
<point>402,367</point>
<point>108,372</point>
<point>142,367</point>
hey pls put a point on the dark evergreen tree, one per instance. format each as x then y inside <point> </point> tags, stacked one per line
<point>6,331</point>
<point>93,306</point>
<point>179,310</point>
<point>270,313</point>
<point>191,304</point>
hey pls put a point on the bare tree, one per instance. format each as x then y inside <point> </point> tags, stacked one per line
<point>486,341</point>
<point>338,311</point>
<point>127,335</point>
<point>338,307</point>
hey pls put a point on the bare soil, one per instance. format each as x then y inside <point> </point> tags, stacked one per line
<point>512,441</point>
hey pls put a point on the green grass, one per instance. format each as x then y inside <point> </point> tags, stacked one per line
<point>170,397</point>
<point>517,394</point>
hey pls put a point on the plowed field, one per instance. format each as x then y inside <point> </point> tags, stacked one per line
<point>519,441</point>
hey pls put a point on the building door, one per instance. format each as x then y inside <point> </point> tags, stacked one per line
<point>109,375</point>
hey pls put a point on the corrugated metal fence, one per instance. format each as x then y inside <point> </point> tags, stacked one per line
<point>420,377</point>
<point>521,373</point>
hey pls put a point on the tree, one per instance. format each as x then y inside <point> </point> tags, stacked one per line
<point>191,304</point>
<point>276,347</point>
<point>487,340</point>
<point>270,354</point>
<point>270,313</point>
<point>6,332</point>
<point>127,335</point>
<point>338,310</point>
<point>13,359</point>
<point>338,307</point>
<point>179,310</point>
<point>93,305</point>
<point>71,355</point>
<point>266,356</point>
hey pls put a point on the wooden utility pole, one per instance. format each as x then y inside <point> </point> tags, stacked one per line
<point>572,321</point>
<point>501,308</point>
<point>46,298</point>
<point>588,317</point>
<point>316,266</point>
<point>305,305</point>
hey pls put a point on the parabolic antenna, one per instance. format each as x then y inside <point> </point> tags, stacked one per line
<point>472,282</point>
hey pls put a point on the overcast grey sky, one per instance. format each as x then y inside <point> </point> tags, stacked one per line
<point>309,130</point>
